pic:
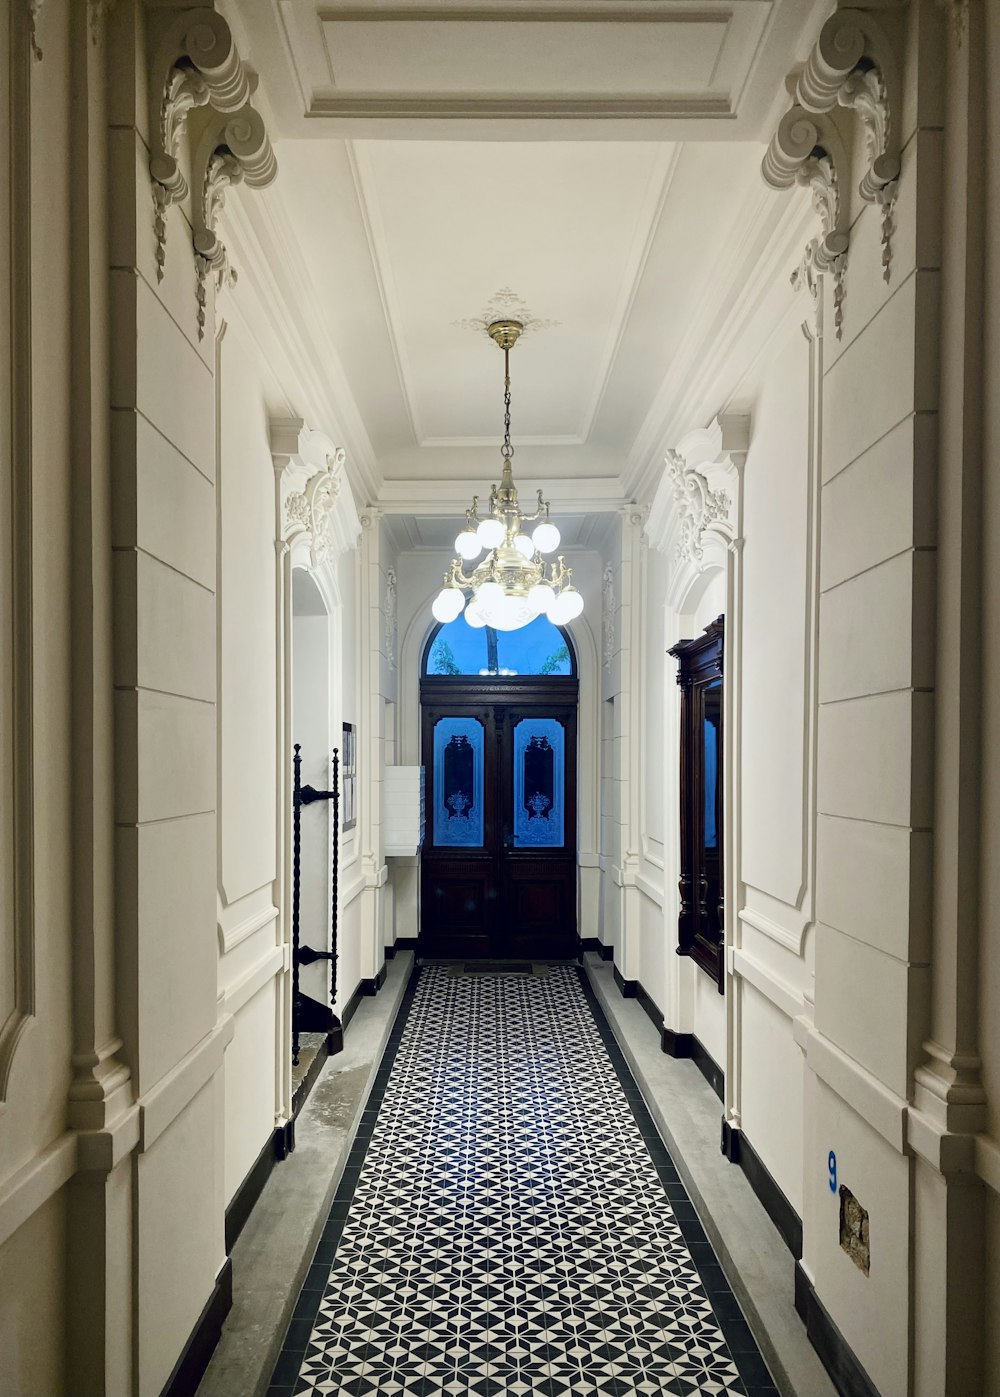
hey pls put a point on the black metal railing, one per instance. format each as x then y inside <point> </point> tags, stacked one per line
<point>307,955</point>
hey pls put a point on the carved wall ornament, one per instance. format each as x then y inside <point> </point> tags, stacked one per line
<point>808,151</point>
<point>34,10</point>
<point>197,66</point>
<point>97,13</point>
<point>697,504</point>
<point>390,617</point>
<point>850,67</point>
<point>308,511</point>
<point>608,609</point>
<point>958,17</point>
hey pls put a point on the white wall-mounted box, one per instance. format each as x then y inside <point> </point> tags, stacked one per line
<point>403,810</point>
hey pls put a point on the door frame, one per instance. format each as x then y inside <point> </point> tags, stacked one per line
<point>523,693</point>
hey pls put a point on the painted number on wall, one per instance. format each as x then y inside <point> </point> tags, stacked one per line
<point>831,1165</point>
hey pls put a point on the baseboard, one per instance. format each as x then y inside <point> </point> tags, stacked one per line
<point>708,1067</point>
<point>277,1147</point>
<point>190,1367</point>
<point>401,943</point>
<point>738,1150</point>
<point>364,989</point>
<point>676,1044</point>
<point>846,1373</point>
<point>591,943</point>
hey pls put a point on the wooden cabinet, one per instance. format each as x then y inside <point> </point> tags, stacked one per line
<point>700,925</point>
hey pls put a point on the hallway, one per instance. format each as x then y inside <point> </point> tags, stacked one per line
<point>500,1228</point>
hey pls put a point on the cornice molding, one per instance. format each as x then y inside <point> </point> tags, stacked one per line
<point>196,65</point>
<point>851,68</point>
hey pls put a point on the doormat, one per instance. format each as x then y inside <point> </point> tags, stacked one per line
<point>494,967</point>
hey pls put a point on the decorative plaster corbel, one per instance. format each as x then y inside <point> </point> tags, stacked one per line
<point>608,608</point>
<point>97,13</point>
<point>390,617</point>
<point>807,150</point>
<point>308,510</point>
<point>851,65</point>
<point>196,64</point>
<point>697,505</point>
<point>958,17</point>
<point>34,9</point>
<point>232,150</point>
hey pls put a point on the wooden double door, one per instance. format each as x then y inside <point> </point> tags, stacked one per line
<point>498,869</point>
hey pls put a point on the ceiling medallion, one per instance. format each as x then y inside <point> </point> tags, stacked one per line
<point>506,305</point>
<point>512,584</point>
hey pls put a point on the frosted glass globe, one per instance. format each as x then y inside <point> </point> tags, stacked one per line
<point>491,533</point>
<point>510,613</point>
<point>546,537</point>
<point>560,610</point>
<point>574,602</point>
<point>541,596</point>
<point>447,604</point>
<point>474,617</point>
<point>467,544</point>
<point>524,546</point>
<point>488,595</point>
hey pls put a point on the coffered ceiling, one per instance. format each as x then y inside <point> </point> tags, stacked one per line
<point>592,167</point>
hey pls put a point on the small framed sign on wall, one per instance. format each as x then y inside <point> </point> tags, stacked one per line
<point>348,778</point>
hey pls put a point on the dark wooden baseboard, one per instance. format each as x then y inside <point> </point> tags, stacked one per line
<point>279,1146</point>
<point>635,989</point>
<point>364,989</point>
<point>591,943</point>
<point>847,1374</point>
<point>676,1044</point>
<point>401,943</point>
<point>708,1067</point>
<point>190,1367</point>
<point>738,1150</point>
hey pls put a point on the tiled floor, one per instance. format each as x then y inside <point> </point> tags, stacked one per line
<point>509,1221</point>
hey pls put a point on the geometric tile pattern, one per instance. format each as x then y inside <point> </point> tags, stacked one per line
<point>510,1222</point>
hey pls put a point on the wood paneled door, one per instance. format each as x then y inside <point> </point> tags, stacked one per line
<point>498,869</point>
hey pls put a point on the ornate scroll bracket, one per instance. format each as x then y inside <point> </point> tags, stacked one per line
<point>850,67</point>
<point>694,513</point>
<point>808,151</point>
<point>196,64</point>
<point>317,516</point>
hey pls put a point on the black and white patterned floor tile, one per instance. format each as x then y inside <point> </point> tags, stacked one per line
<point>509,1220</point>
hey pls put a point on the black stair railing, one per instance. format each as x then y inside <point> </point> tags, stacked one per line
<point>306,955</point>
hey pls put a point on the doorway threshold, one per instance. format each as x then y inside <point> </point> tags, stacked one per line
<point>754,1257</point>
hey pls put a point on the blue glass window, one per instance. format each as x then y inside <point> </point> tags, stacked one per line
<point>458,783</point>
<point>539,783</point>
<point>537,648</point>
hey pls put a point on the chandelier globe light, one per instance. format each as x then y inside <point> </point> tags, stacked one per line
<point>512,584</point>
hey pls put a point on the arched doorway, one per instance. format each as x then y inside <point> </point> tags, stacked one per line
<point>499,741</point>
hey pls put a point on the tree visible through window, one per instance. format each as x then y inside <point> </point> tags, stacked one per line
<point>460,649</point>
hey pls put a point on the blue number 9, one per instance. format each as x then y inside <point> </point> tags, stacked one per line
<point>831,1164</point>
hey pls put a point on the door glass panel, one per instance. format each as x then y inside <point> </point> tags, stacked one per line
<point>539,783</point>
<point>458,783</point>
<point>712,722</point>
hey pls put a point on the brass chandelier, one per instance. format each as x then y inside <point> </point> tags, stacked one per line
<point>512,584</point>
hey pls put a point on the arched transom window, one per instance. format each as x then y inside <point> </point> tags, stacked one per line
<point>457,648</point>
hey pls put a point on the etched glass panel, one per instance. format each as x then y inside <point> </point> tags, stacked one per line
<point>712,776</point>
<point>539,783</point>
<point>458,783</point>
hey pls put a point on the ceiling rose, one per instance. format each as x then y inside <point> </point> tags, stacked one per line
<point>506,305</point>
<point>512,584</point>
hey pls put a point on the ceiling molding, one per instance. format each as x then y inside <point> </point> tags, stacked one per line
<point>275,281</point>
<point>657,193</point>
<point>371,218</point>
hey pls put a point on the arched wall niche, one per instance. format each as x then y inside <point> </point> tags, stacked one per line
<point>695,521</point>
<point>316,521</point>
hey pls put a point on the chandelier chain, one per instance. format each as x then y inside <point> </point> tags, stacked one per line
<point>506,451</point>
